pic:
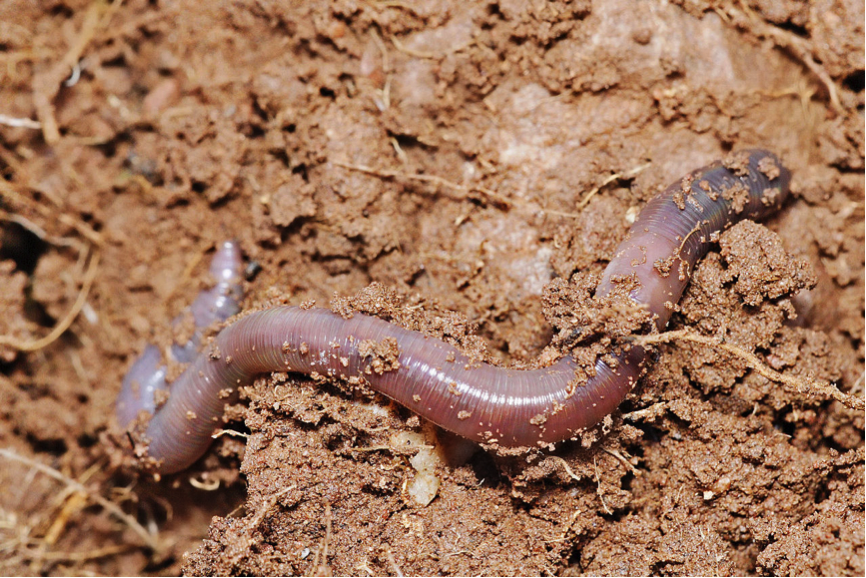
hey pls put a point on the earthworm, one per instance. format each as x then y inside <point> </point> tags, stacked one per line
<point>147,376</point>
<point>434,379</point>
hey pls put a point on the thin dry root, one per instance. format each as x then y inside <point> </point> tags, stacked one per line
<point>385,174</point>
<point>149,539</point>
<point>614,177</point>
<point>239,551</point>
<point>491,195</point>
<point>20,122</point>
<point>58,214</point>
<point>799,47</point>
<point>46,84</point>
<point>565,466</point>
<point>64,323</point>
<point>817,388</point>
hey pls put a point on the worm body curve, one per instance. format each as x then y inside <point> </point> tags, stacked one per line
<point>141,385</point>
<point>437,381</point>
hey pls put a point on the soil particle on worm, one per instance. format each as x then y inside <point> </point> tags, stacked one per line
<point>497,151</point>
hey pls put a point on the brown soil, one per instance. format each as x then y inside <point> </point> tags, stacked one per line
<point>442,150</point>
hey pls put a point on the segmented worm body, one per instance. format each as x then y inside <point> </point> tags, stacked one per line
<point>476,400</point>
<point>146,378</point>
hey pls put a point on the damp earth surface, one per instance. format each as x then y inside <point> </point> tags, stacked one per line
<point>463,169</point>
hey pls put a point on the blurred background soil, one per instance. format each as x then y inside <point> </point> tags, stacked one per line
<point>463,168</point>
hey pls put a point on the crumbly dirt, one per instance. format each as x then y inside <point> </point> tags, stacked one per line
<point>465,169</point>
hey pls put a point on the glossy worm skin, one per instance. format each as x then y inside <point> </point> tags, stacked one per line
<point>147,375</point>
<point>476,400</point>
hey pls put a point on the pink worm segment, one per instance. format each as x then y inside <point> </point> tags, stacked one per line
<point>146,377</point>
<point>437,381</point>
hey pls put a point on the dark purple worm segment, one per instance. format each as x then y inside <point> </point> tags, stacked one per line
<point>146,377</point>
<point>475,400</point>
<point>676,228</point>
